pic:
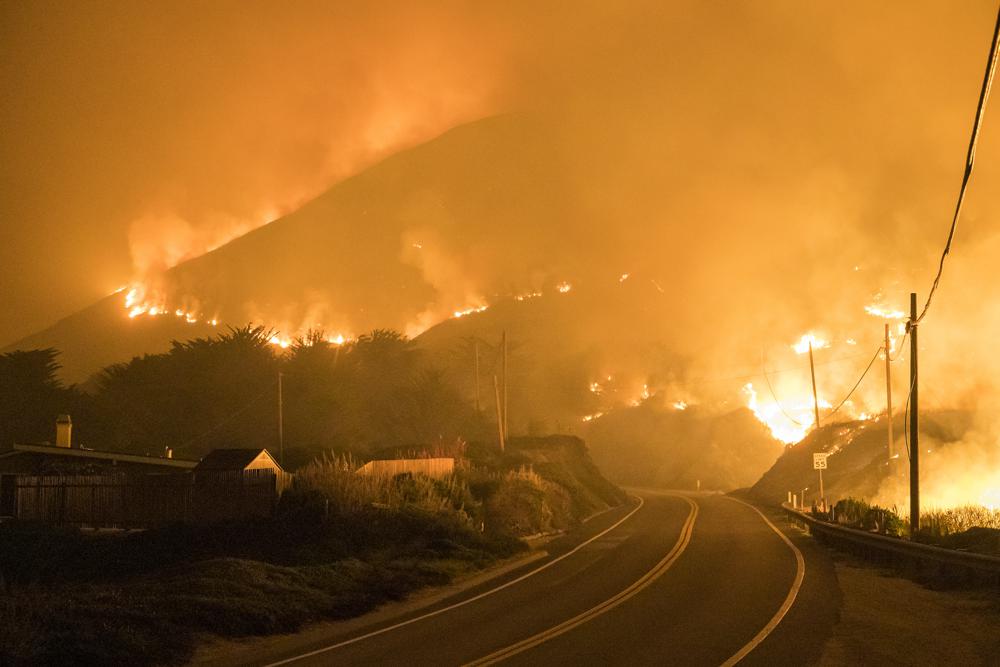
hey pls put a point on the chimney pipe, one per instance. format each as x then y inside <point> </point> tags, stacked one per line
<point>64,431</point>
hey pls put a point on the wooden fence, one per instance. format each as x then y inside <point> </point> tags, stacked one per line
<point>439,467</point>
<point>146,500</point>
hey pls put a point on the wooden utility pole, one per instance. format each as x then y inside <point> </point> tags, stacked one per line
<point>281,424</point>
<point>812,372</point>
<point>478,406</point>
<point>914,422</point>
<point>888,393</point>
<point>822,495</point>
<point>506,423</point>
<point>496,393</point>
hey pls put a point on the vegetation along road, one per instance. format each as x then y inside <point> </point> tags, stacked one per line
<point>669,579</point>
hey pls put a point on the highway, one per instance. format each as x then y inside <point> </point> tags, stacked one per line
<point>671,579</point>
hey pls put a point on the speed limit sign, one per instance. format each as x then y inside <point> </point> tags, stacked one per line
<point>819,461</point>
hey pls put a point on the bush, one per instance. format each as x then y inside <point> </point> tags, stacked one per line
<point>859,514</point>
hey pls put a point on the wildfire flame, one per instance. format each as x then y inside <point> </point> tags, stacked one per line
<point>884,313</point>
<point>803,345</point>
<point>789,428</point>
<point>469,311</point>
<point>138,303</point>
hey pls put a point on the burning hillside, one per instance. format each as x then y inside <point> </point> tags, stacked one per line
<point>959,466</point>
<point>483,230</point>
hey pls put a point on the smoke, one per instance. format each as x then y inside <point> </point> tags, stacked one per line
<point>760,170</point>
<point>160,133</point>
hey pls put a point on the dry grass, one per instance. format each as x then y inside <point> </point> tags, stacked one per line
<point>939,523</point>
<point>347,492</point>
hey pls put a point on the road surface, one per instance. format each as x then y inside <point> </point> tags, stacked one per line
<point>685,579</point>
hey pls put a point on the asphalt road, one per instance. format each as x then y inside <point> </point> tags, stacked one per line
<point>685,579</point>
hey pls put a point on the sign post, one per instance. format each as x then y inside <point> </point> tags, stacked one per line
<point>819,463</point>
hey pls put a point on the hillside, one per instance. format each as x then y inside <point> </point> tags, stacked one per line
<point>322,265</point>
<point>650,446</point>
<point>858,464</point>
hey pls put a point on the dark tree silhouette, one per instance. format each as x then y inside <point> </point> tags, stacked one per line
<point>31,396</point>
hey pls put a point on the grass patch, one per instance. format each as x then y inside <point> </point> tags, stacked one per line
<point>126,599</point>
<point>968,528</point>
<point>339,545</point>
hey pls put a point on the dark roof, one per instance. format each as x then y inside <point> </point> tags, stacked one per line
<point>228,459</point>
<point>66,453</point>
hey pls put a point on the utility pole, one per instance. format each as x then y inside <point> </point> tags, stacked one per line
<point>812,372</point>
<point>822,495</point>
<point>914,422</point>
<point>496,393</point>
<point>888,393</point>
<point>281,425</point>
<point>506,423</point>
<point>478,407</point>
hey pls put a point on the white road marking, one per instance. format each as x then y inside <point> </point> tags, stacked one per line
<point>482,595</point>
<point>647,579</point>
<point>800,573</point>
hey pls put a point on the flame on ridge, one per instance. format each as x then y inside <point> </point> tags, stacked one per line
<point>803,345</point>
<point>885,313</point>
<point>138,303</point>
<point>781,426</point>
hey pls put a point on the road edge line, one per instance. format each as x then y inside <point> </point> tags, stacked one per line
<point>793,592</point>
<point>462,603</point>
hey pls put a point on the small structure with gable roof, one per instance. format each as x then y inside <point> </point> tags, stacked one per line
<point>226,460</point>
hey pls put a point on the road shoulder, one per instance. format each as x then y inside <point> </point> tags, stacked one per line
<point>887,619</point>
<point>216,652</point>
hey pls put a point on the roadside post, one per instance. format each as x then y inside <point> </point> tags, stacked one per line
<point>819,463</point>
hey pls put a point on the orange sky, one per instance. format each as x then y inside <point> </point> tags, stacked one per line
<point>836,130</point>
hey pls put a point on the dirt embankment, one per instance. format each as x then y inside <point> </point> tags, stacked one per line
<point>888,620</point>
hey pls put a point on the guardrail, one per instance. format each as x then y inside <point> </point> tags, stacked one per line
<point>922,560</point>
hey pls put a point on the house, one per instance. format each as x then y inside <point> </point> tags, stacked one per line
<point>231,460</point>
<point>70,485</point>
<point>65,457</point>
<point>34,461</point>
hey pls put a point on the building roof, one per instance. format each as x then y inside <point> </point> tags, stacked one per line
<point>83,455</point>
<point>232,459</point>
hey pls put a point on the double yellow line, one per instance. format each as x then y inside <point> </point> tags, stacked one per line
<point>647,579</point>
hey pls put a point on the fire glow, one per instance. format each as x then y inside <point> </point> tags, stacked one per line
<point>469,311</point>
<point>788,428</point>
<point>138,304</point>
<point>804,343</point>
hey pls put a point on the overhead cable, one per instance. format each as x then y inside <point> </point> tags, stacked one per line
<point>984,95</point>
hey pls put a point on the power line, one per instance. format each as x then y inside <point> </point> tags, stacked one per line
<point>856,384</point>
<point>906,421</point>
<point>771,389</point>
<point>984,94</point>
<point>226,419</point>
<point>750,376</point>
<point>900,352</point>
